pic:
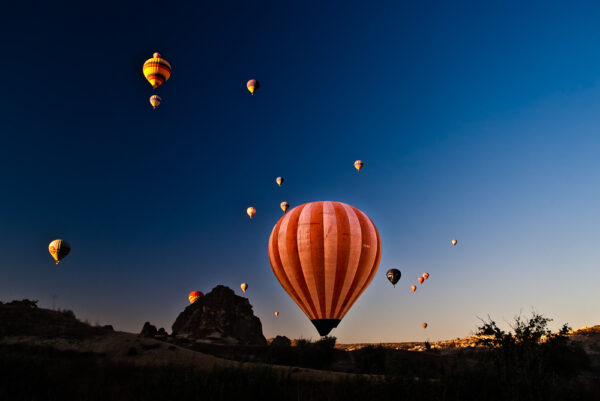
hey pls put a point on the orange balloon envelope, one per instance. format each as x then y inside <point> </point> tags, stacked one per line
<point>358,165</point>
<point>157,70</point>
<point>325,255</point>
<point>424,325</point>
<point>194,296</point>
<point>252,86</point>
<point>421,279</point>
<point>284,206</point>
<point>251,211</point>
<point>454,242</point>
<point>276,314</point>
<point>425,276</point>
<point>413,288</point>
<point>244,286</point>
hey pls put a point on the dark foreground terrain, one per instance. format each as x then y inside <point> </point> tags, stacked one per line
<point>50,355</point>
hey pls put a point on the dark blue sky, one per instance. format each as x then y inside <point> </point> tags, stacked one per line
<point>475,121</point>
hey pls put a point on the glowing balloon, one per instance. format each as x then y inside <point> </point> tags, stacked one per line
<point>155,101</point>
<point>325,255</point>
<point>157,70</point>
<point>59,249</point>
<point>253,85</point>
<point>454,242</point>
<point>421,279</point>
<point>284,206</point>
<point>251,211</point>
<point>244,287</point>
<point>424,325</point>
<point>194,296</point>
<point>413,288</point>
<point>279,180</point>
<point>393,275</point>
<point>425,276</point>
<point>358,165</point>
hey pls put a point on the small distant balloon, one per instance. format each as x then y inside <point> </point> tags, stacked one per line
<point>276,314</point>
<point>244,287</point>
<point>59,249</point>
<point>157,70</point>
<point>358,165</point>
<point>251,211</point>
<point>284,206</point>
<point>194,296</point>
<point>421,279</point>
<point>155,101</point>
<point>413,288</point>
<point>424,325</point>
<point>454,242</point>
<point>253,85</point>
<point>425,276</point>
<point>279,180</point>
<point>393,275</point>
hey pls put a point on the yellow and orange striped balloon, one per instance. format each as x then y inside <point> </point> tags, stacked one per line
<point>325,255</point>
<point>157,70</point>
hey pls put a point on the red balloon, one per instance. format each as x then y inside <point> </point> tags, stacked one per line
<point>194,296</point>
<point>325,255</point>
<point>421,279</point>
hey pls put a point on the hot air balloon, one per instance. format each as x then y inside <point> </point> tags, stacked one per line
<point>253,85</point>
<point>157,70</point>
<point>424,325</point>
<point>393,275</point>
<point>358,165</point>
<point>194,296</point>
<point>454,242</point>
<point>425,276</point>
<point>155,101</point>
<point>251,211</point>
<point>421,279</point>
<point>276,314</point>
<point>284,206</point>
<point>244,287</point>
<point>59,249</point>
<point>413,288</point>
<point>324,255</point>
<point>279,180</point>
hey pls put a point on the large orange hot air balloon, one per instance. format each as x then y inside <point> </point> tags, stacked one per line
<point>251,211</point>
<point>157,70</point>
<point>194,296</point>
<point>325,255</point>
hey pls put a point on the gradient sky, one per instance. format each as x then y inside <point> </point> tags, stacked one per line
<point>475,121</point>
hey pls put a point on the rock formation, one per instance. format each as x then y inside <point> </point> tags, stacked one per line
<point>148,330</point>
<point>220,316</point>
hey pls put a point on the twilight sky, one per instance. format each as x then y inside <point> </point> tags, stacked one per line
<point>475,121</point>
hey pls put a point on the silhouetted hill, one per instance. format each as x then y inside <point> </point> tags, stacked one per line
<point>24,318</point>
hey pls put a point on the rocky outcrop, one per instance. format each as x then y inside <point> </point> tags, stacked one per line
<point>148,330</point>
<point>222,317</point>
